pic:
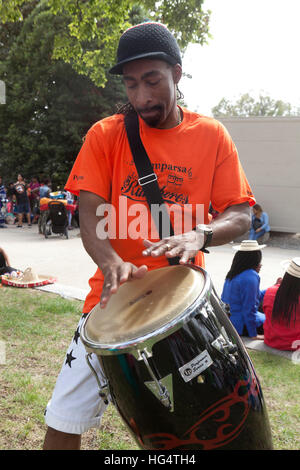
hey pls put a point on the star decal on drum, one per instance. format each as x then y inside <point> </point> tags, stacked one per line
<point>70,358</point>
<point>76,336</point>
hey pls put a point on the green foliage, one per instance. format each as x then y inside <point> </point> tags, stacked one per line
<point>247,106</point>
<point>89,39</point>
<point>49,106</point>
<point>185,18</point>
<point>54,58</point>
<point>10,10</point>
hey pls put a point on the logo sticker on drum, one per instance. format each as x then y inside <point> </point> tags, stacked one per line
<point>196,366</point>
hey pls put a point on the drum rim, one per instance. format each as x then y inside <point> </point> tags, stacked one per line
<point>147,341</point>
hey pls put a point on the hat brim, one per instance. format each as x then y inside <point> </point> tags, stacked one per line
<point>118,68</point>
<point>42,281</point>
<point>254,248</point>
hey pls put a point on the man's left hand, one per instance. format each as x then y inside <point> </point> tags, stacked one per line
<point>185,246</point>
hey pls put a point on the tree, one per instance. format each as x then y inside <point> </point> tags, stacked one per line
<point>10,30</point>
<point>49,107</point>
<point>247,106</point>
<point>90,39</point>
<point>54,57</point>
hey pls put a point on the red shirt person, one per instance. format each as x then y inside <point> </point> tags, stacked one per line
<point>282,309</point>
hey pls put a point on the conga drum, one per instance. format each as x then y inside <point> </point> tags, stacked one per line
<point>175,367</point>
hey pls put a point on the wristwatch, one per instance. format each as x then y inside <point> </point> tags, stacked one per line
<point>207,230</point>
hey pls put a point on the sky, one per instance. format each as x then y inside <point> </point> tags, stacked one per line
<point>254,49</point>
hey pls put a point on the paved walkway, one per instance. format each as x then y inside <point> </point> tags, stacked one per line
<point>68,261</point>
<point>64,259</point>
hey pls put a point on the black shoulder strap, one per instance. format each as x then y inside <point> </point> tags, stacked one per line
<point>147,177</point>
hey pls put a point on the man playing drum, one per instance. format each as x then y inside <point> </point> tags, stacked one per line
<point>195,163</point>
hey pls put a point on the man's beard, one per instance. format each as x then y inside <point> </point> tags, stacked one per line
<point>152,121</point>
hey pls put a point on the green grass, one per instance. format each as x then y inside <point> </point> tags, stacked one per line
<point>37,328</point>
<point>280,381</point>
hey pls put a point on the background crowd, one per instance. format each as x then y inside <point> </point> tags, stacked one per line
<point>22,201</point>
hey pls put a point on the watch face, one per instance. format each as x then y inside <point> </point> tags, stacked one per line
<point>204,228</point>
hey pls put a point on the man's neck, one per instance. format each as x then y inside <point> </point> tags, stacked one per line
<point>173,120</point>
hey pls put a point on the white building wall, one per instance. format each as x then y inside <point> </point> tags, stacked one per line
<point>269,150</point>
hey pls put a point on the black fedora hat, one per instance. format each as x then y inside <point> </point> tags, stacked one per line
<point>147,40</point>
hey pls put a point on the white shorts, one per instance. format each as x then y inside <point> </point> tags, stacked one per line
<point>75,405</point>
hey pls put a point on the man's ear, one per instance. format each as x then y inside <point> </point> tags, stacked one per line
<point>177,73</point>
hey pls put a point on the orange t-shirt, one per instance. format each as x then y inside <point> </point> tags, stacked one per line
<point>195,162</point>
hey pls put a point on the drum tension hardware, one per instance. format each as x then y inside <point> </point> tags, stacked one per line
<point>222,343</point>
<point>159,386</point>
<point>104,391</point>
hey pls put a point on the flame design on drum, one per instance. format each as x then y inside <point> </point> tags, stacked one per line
<point>244,392</point>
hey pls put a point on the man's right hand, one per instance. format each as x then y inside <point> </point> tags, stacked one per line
<point>117,274</point>
<point>114,269</point>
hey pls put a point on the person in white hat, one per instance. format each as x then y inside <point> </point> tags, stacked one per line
<point>242,292</point>
<point>282,309</point>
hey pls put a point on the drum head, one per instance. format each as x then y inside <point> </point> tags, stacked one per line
<point>142,306</point>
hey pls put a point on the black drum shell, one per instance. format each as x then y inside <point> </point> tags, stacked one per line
<point>222,408</point>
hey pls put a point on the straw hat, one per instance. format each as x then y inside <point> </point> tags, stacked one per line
<point>248,245</point>
<point>26,279</point>
<point>292,267</point>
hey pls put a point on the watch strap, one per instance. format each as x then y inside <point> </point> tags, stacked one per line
<point>207,242</point>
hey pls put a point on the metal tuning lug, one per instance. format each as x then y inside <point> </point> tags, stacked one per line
<point>225,347</point>
<point>232,348</point>
<point>104,391</point>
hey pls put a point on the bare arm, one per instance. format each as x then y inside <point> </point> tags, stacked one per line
<point>116,271</point>
<point>233,222</point>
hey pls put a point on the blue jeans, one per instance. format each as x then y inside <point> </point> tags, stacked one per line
<point>23,208</point>
<point>255,236</point>
<point>259,319</point>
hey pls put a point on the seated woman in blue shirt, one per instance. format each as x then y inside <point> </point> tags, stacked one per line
<point>259,223</point>
<point>242,292</point>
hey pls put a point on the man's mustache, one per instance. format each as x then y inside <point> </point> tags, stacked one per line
<point>147,110</point>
